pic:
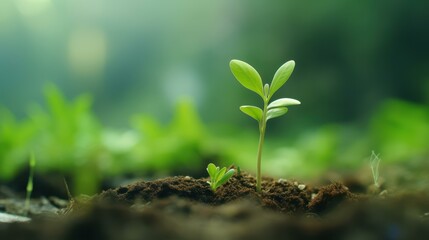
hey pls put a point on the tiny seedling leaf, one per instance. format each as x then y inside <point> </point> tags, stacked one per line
<point>226,177</point>
<point>266,89</point>
<point>281,76</point>
<point>276,112</point>
<point>283,102</point>
<point>374,163</point>
<point>220,174</point>
<point>252,111</point>
<point>247,76</point>
<point>211,169</point>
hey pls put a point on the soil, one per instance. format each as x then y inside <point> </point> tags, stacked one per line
<point>183,207</point>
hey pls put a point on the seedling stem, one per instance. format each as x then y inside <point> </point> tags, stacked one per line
<point>29,188</point>
<point>250,79</point>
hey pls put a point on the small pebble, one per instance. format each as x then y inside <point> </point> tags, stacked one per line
<point>313,195</point>
<point>301,187</point>
<point>281,180</point>
<point>295,183</point>
<point>9,218</point>
<point>187,178</point>
<point>383,193</point>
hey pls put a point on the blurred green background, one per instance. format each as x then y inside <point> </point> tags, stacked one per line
<point>99,89</point>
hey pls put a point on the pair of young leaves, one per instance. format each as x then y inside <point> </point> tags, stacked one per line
<point>250,79</point>
<point>218,176</point>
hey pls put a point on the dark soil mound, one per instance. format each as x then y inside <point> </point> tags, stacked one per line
<point>186,208</point>
<point>279,195</point>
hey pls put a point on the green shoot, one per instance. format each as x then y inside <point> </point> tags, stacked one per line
<point>218,176</point>
<point>250,79</point>
<point>32,164</point>
<point>374,162</point>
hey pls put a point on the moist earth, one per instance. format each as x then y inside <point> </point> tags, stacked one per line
<point>183,207</point>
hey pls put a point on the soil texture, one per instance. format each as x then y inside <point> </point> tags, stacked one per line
<point>186,208</point>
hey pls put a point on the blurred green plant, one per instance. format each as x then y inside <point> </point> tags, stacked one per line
<point>400,130</point>
<point>183,144</point>
<point>29,188</point>
<point>218,176</point>
<point>250,79</point>
<point>374,162</point>
<point>15,138</point>
<point>68,139</point>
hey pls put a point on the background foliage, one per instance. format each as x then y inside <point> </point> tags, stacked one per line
<point>100,88</point>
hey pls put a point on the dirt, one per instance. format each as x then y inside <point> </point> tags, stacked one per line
<point>186,208</point>
<point>279,195</point>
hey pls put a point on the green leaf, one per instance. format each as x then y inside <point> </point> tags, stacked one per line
<point>220,174</point>
<point>283,102</point>
<point>281,76</point>
<point>374,163</point>
<point>252,111</point>
<point>276,112</point>
<point>247,76</point>
<point>212,170</point>
<point>32,160</point>
<point>226,177</point>
<point>266,89</point>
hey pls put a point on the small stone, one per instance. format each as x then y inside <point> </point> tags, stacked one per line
<point>8,218</point>
<point>281,180</point>
<point>313,196</point>
<point>295,183</point>
<point>383,193</point>
<point>301,187</point>
<point>187,178</point>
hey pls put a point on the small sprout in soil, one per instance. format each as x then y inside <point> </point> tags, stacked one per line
<point>32,164</point>
<point>374,162</point>
<point>218,176</point>
<point>250,79</point>
<point>238,170</point>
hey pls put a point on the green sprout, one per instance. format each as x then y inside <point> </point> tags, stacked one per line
<point>250,79</point>
<point>374,162</point>
<point>218,176</point>
<point>32,164</point>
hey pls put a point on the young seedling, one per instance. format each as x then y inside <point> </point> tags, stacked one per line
<point>374,162</point>
<point>250,79</point>
<point>32,164</point>
<point>218,176</point>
